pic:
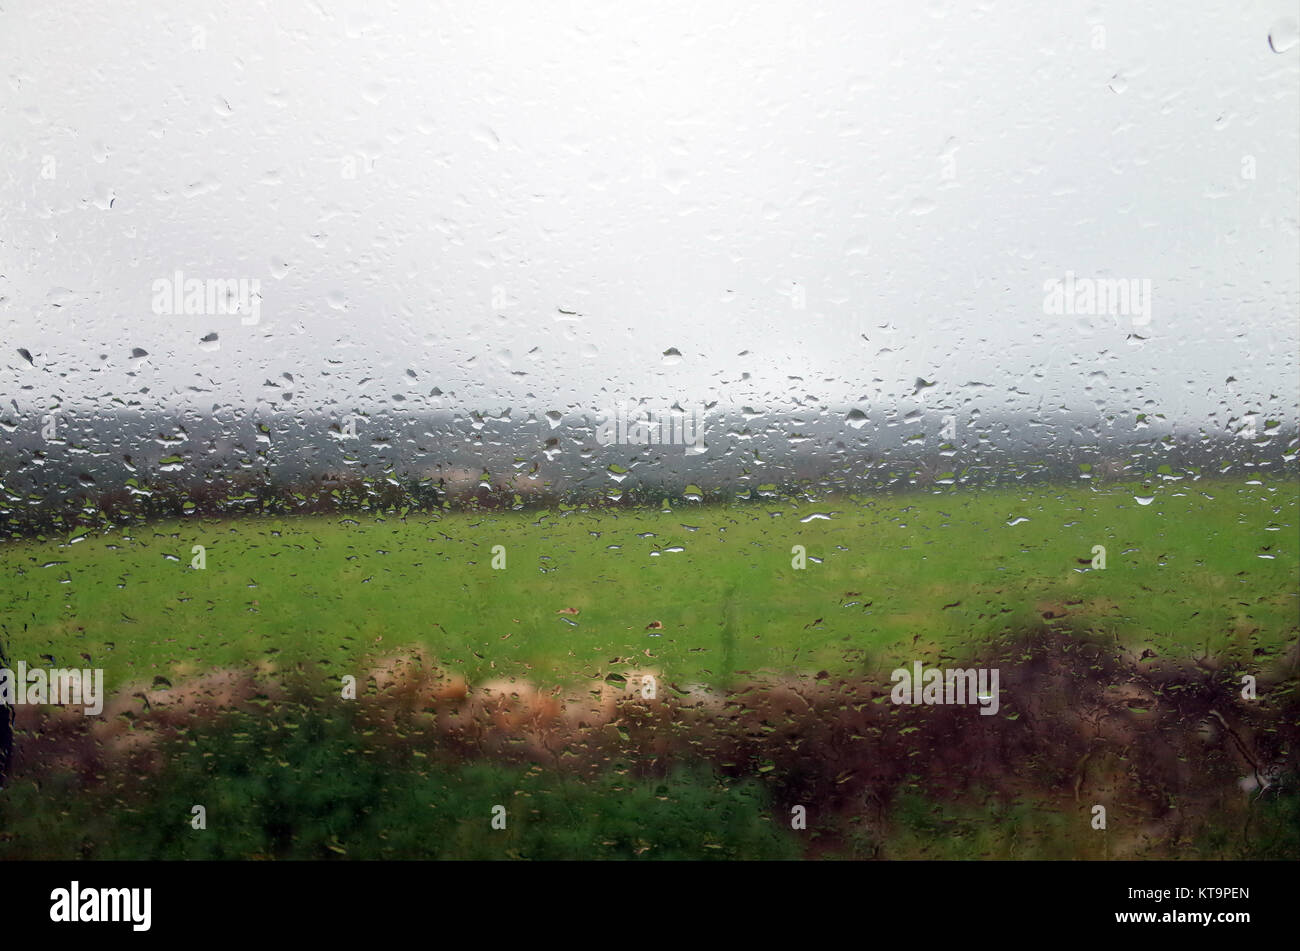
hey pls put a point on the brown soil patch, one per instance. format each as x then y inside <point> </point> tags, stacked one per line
<point>1161,744</point>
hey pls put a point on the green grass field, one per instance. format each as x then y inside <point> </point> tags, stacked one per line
<point>1205,567</point>
<point>700,594</point>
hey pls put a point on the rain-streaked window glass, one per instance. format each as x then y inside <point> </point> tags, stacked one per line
<point>675,430</point>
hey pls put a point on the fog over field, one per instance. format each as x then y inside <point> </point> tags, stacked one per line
<point>557,208</point>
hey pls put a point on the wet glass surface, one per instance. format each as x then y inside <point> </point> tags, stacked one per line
<point>667,431</point>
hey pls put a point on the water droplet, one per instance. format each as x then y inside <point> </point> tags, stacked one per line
<point>1283,35</point>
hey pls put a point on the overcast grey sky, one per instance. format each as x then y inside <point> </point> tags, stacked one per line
<point>676,175</point>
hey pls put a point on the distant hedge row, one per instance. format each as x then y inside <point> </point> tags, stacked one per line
<point>139,501</point>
